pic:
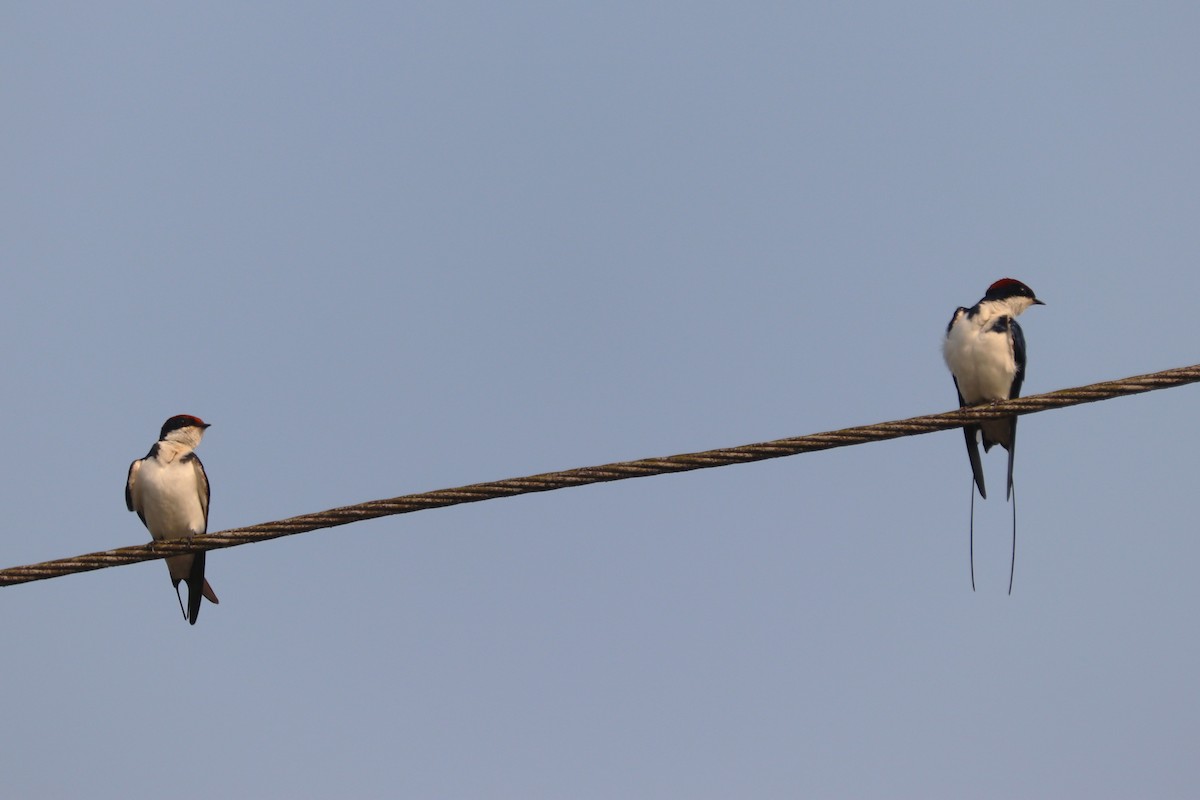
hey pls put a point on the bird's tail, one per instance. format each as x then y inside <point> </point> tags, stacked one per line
<point>971,432</point>
<point>196,586</point>
<point>1012,566</point>
<point>1012,449</point>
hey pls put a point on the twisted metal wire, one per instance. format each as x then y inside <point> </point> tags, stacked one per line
<point>583,476</point>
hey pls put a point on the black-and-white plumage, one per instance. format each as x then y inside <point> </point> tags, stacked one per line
<point>985,351</point>
<point>169,491</point>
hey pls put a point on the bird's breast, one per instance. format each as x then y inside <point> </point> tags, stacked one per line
<point>981,360</point>
<point>170,499</point>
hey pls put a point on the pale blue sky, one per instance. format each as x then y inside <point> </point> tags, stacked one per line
<point>385,249</point>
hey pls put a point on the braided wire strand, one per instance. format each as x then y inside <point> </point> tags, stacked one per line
<point>584,476</point>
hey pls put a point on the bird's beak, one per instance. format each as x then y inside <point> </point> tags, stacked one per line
<point>1037,302</point>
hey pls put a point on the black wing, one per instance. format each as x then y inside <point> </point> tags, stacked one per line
<point>195,584</point>
<point>1018,345</point>
<point>202,482</point>
<point>132,502</point>
<point>195,579</point>
<point>971,432</point>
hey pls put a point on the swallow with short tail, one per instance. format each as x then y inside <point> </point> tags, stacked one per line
<point>169,491</point>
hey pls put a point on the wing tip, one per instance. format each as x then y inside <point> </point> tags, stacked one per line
<point>971,432</point>
<point>195,584</point>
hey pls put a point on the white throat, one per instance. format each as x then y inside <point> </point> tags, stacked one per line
<point>1012,306</point>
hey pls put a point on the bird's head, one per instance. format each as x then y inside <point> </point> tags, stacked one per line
<point>1016,295</point>
<point>184,429</point>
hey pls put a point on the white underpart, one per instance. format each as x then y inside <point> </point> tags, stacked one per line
<point>170,501</point>
<point>981,360</point>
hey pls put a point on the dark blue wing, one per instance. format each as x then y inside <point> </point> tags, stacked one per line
<point>1018,343</point>
<point>971,433</point>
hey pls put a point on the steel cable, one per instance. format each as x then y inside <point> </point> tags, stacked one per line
<point>600,474</point>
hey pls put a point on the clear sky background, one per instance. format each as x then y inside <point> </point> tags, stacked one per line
<point>386,249</point>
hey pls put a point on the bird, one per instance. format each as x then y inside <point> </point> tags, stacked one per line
<point>984,348</point>
<point>169,491</point>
